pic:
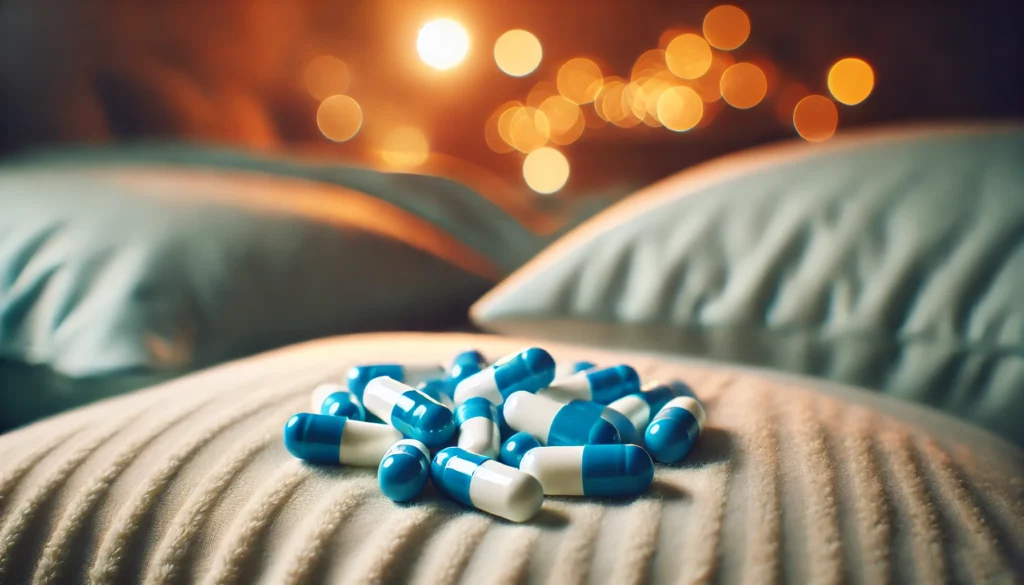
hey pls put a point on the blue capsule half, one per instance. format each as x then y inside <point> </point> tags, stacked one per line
<point>528,371</point>
<point>675,429</point>
<point>463,366</point>
<point>518,445</point>
<point>404,470</point>
<point>343,404</point>
<point>601,385</point>
<point>320,438</point>
<point>413,375</point>
<point>628,434</point>
<point>410,411</point>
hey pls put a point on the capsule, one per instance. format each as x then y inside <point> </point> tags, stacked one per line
<point>518,445</point>
<point>412,412</point>
<point>566,369</point>
<point>639,407</point>
<point>320,438</point>
<point>590,470</point>
<point>463,366</point>
<point>601,385</point>
<point>674,430</point>
<point>478,427</point>
<point>413,374</point>
<point>403,470</point>
<point>487,485</point>
<point>526,371</point>
<point>438,390</point>
<point>553,423</point>
<point>336,400</point>
<point>628,435</point>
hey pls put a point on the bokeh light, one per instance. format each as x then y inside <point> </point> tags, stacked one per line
<point>528,129</point>
<point>709,85</point>
<point>688,56</point>
<point>546,170</point>
<point>579,80</point>
<point>541,91</point>
<point>680,108</point>
<point>649,63</point>
<point>517,53</point>
<point>509,110</point>
<point>612,103</point>
<point>743,85</point>
<point>787,99</point>
<point>326,76</point>
<point>442,43</point>
<point>405,147</point>
<point>492,133</point>
<point>726,27</point>
<point>564,118</point>
<point>851,80</point>
<point>339,118</point>
<point>815,118</point>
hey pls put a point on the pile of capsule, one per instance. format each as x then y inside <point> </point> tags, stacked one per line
<point>521,429</point>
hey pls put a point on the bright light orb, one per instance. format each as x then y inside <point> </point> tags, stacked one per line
<point>442,43</point>
<point>546,170</point>
<point>517,53</point>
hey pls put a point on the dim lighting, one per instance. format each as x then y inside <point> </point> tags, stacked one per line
<point>546,170</point>
<point>564,118</point>
<point>529,129</point>
<point>579,80</point>
<point>339,118</point>
<point>726,27</point>
<point>743,85</point>
<point>326,76</point>
<point>517,53</point>
<point>442,43</point>
<point>405,147</point>
<point>709,85</point>
<point>496,141</point>
<point>851,80</point>
<point>815,118</point>
<point>688,56</point>
<point>680,108</point>
<point>787,99</point>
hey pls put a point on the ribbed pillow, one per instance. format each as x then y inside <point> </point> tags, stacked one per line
<point>793,480</point>
<point>893,260</point>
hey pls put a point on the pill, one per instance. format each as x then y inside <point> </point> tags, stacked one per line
<point>336,400</point>
<point>590,470</point>
<point>463,366</point>
<point>515,447</point>
<point>674,430</point>
<point>321,438</point>
<point>526,371</point>
<point>404,470</point>
<point>438,390</point>
<point>478,427</point>
<point>639,407</point>
<point>411,374</point>
<point>569,368</point>
<point>412,412</point>
<point>553,423</point>
<point>487,485</point>
<point>601,385</point>
<point>628,435</point>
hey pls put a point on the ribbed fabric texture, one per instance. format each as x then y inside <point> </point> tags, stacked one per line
<point>189,482</point>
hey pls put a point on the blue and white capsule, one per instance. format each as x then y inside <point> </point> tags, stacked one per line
<point>487,485</point>
<point>675,429</point>
<point>525,371</point>
<point>592,470</point>
<point>463,366</point>
<point>477,419</point>
<point>553,423</point>
<point>321,438</point>
<point>438,390</point>
<point>336,400</point>
<point>601,385</point>
<point>518,445</point>
<point>404,470</point>
<point>628,434</point>
<point>640,407</point>
<point>413,413</point>
<point>411,374</point>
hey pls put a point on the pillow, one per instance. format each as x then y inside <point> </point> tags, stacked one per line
<point>893,260</point>
<point>792,480</point>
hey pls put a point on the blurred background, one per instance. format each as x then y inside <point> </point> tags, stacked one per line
<point>533,99</point>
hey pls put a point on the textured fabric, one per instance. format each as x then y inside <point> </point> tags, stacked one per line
<point>792,481</point>
<point>891,260</point>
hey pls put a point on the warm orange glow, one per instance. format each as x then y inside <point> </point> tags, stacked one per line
<point>688,56</point>
<point>326,76</point>
<point>708,86</point>
<point>579,80</point>
<point>726,27</point>
<point>652,88</point>
<point>541,91</point>
<point>493,135</point>
<point>339,118</point>
<point>565,119</point>
<point>546,170</point>
<point>649,63</point>
<point>614,104</point>
<point>529,129</point>
<point>815,118</point>
<point>405,147</point>
<point>851,81</point>
<point>517,53</point>
<point>680,108</point>
<point>789,96</point>
<point>592,119</point>
<point>442,43</point>
<point>743,85</point>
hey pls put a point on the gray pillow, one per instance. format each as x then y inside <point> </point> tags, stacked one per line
<point>893,260</point>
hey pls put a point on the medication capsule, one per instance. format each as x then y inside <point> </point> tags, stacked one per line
<point>404,470</point>
<point>628,434</point>
<point>413,374</point>
<point>553,423</point>
<point>412,412</point>
<point>487,485</point>
<point>590,470</point>
<point>438,390</point>
<point>518,445</point>
<point>321,438</point>
<point>336,400</point>
<point>478,427</point>
<point>639,407</point>
<point>566,369</point>
<point>463,366</point>
<point>526,371</point>
<point>674,430</point>
<point>601,385</point>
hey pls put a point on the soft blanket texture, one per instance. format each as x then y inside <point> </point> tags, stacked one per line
<point>793,481</point>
